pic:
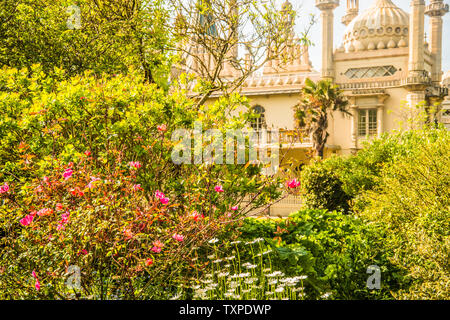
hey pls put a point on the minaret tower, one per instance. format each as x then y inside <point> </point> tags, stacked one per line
<point>352,11</point>
<point>417,77</point>
<point>417,39</point>
<point>232,55</point>
<point>436,10</point>
<point>327,18</point>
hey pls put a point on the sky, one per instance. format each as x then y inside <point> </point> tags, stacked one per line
<point>307,7</point>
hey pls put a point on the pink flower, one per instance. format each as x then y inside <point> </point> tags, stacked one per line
<point>135,165</point>
<point>37,284</point>
<point>235,208</point>
<point>67,174</point>
<point>4,188</point>
<point>91,184</point>
<point>59,207</point>
<point>27,220</point>
<point>158,244</point>
<point>159,195</point>
<point>219,188</point>
<point>65,217</point>
<point>64,221</point>
<point>197,216</point>
<point>162,128</point>
<point>156,249</point>
<point>294,183</point>
<point>84,252</point>
<point>178,237</point>
<point>149,262</point>
<point>44,212</point>
<point>162,197</point>
<point>137,187</point>
<point>128,234</point>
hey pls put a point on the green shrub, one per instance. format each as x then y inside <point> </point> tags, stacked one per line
<point>322,188</point>
<point>399,184</point>
<point>413,202</point>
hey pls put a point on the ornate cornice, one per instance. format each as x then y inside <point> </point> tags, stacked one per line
<point>413,82</point>
<point>368,92</point>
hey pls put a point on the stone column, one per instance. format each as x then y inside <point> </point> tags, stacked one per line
<point>436,10</point>
<point>417,38</point>
<point>414,99</point>
<point>380,121</point>
<point>380,114</point>
<point>354,127</point>
<point>327,18</point>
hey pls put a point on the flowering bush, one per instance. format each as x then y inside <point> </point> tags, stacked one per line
<point>103,224</point>
<point>88,185</point>
<point>43,118</point>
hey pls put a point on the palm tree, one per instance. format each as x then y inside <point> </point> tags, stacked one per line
<point>317,101</point>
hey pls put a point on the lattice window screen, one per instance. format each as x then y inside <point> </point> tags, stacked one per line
<point>370,72</point>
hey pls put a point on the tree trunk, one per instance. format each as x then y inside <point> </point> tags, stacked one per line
<point>320,136</point>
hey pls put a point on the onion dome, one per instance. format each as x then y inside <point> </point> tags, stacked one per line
<point>383,24</point>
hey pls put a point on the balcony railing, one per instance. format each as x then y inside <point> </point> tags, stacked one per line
<point>285,137</point>
<point>284,207</point>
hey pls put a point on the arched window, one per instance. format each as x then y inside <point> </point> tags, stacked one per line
<point>260,122</point>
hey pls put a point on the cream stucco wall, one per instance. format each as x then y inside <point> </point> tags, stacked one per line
<point>279,109</point>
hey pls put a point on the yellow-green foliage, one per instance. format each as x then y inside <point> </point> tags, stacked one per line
<point>413,203</point>
<point>102,35</point>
